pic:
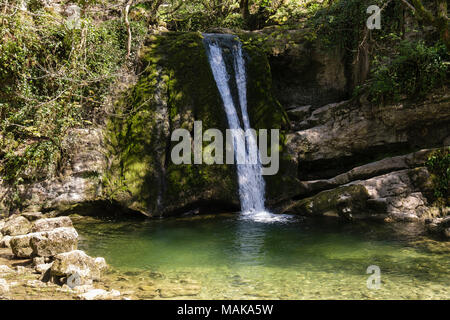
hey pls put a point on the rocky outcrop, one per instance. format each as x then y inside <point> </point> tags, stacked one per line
<point>52,254</point>
<point>440,226</point>
<point>336,137</point>
<point>399,195</point>
<point>294,85</point>
<point>51,243</point>
<point>343,201</point>
<point>44,244</point>
<point>79,181</point>
<point>78,263</point>
<point>353,143</point>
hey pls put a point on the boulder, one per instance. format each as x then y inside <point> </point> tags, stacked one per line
<point>2,224</point>
<point>20,245</point>
<point>440,226</point>
<point>51,243</point>
<point>50,224</point>
<point>343,201</point>
<point>15,226</point>
<point>77,262</point>
<point>342,136</point>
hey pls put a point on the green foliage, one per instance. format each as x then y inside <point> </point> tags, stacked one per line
<point>438,165</point>
<point>342,23</point>
<point>53,78</point>
<point>414,71</point>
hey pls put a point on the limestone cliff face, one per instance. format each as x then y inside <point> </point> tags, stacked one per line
<point>339,156</point>
<point>79,181</point>
<point>354,158</point>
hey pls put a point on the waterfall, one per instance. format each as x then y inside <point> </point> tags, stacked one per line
<point>250,180</point>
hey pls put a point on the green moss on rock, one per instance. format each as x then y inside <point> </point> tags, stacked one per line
<point>176,88</point>
<point>343,201</point>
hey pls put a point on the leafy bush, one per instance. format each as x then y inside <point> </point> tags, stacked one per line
<point>438,164</point>
<point>53,78</point>
<point>414,71</point>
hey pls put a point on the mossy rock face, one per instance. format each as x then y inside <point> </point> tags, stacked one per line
<point>343,201</point>
<point>176,88</point>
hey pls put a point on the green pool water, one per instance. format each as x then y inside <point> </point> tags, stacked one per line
<point>233,258</point>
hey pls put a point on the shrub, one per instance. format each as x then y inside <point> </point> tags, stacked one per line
<point>438,165</point>
<point>414,71</point>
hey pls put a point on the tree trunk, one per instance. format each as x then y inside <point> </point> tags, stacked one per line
<point>245,12</point>
<point>442,22</point>
<point>126,11</point>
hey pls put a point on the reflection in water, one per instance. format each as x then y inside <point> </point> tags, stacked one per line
<point>234,257</point>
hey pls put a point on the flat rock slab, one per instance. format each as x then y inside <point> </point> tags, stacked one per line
<point>50,224</point>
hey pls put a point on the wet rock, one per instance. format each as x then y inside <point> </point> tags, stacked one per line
<point>350,132</point>
<point>344,201</point>
<point>397,194</point>
<point>440,226</point>
<point>79,263</point>
<point>99,294</point>
<point>446,232</point>
<point>50,224</point>
<point>5,242</point>
<point>51,243</point>
<point>32,216</point>
<point>80,180</point>
<point>15,226</point>
<point>4,287</point>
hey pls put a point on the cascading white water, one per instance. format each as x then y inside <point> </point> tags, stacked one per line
<point>251,182</point>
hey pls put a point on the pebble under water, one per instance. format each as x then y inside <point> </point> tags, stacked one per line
<point>232,258</point>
